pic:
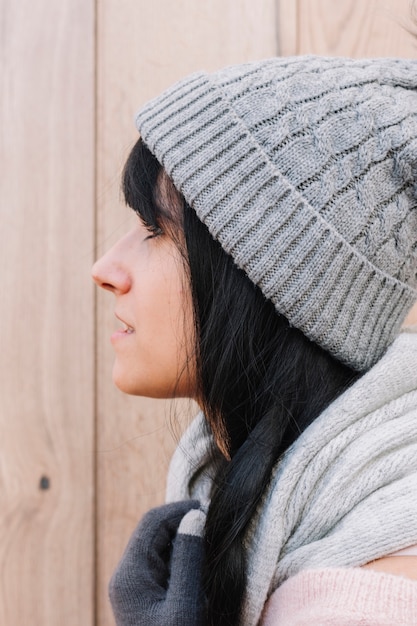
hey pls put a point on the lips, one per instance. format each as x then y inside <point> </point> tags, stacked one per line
<point>121,334</point>
<point>126,327</point>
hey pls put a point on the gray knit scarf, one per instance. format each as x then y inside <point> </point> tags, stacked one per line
<point>345,493</point>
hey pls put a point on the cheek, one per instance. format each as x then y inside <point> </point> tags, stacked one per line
<point>178,346</point>
<point>179,322</point>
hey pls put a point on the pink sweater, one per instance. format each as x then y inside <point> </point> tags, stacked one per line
<point>343,597</point>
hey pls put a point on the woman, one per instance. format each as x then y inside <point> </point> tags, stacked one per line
<point>272,266</point>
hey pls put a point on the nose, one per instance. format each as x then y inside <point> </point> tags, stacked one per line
<point>108,273</point>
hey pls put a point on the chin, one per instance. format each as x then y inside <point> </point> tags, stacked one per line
<point>136,383</point>
<point>134,387</point>
<point>123,381</point>
<point>124,386</point>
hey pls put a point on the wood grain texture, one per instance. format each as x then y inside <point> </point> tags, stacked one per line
<point>354,28</point>
<point>46,314</point>
<point>142,48</point>
<point>288,31</point>
<point>411,319</point>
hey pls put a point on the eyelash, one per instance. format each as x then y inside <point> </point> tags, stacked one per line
<point>155,232</point>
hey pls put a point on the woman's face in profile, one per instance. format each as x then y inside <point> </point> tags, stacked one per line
<point>145,272</point>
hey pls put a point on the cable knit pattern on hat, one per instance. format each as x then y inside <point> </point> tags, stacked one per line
<point>304,169</point>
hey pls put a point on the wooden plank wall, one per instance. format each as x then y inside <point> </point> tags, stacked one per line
<point>346,28</point>
<point>79,461</point>
<point>46,314</point>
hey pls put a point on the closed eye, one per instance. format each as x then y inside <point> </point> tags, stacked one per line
<point>155,232</point>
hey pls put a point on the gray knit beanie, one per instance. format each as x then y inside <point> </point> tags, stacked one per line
<point>305,170</point>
